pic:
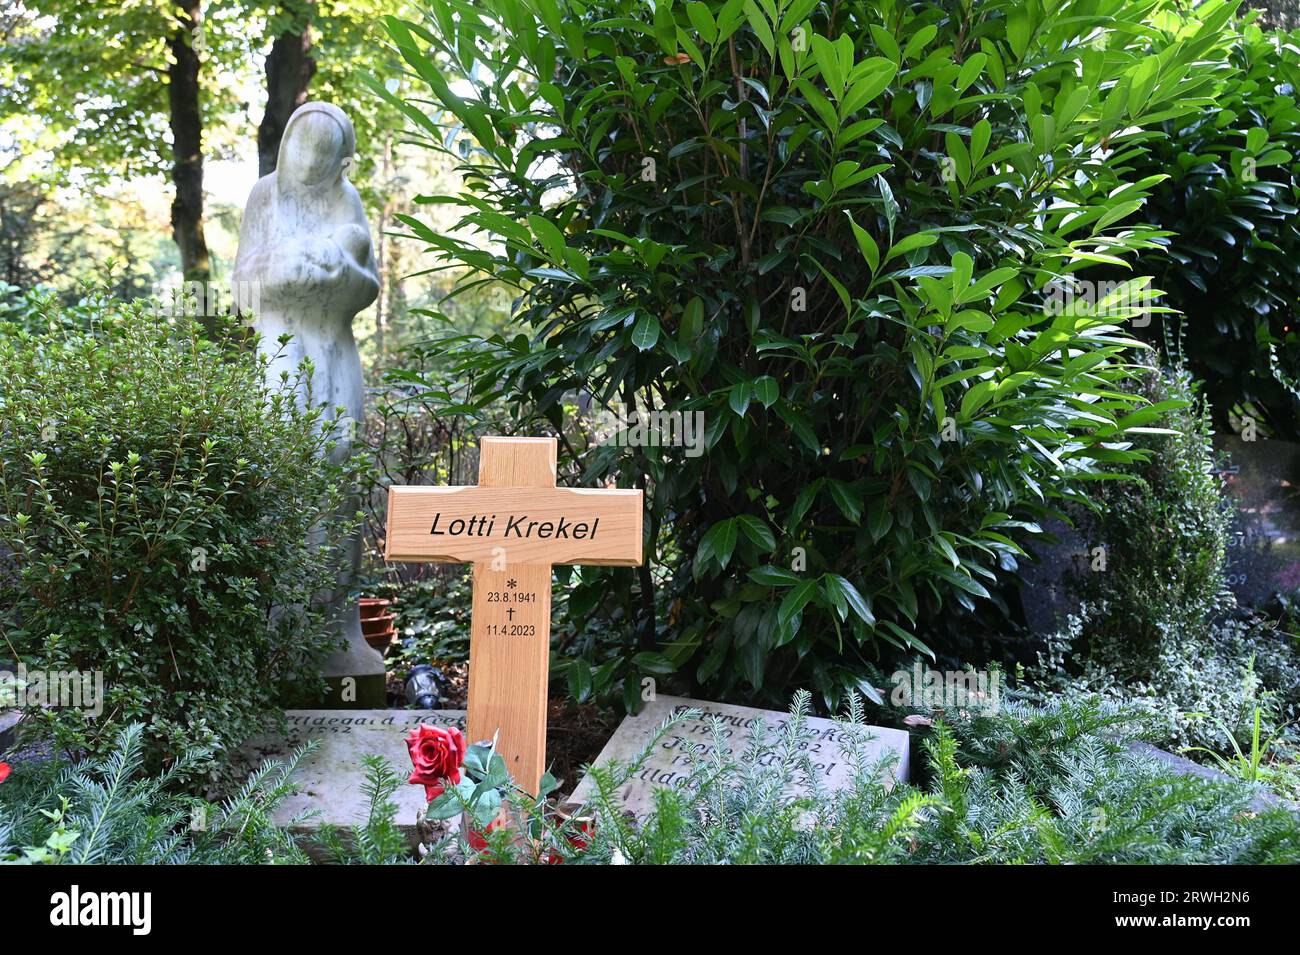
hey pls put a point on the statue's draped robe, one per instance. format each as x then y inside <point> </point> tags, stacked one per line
<point>305,267</point>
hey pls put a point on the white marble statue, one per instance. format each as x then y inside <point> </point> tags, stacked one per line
<point>305,267</point>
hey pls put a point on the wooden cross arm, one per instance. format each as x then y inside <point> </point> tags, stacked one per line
<point>532,525</point>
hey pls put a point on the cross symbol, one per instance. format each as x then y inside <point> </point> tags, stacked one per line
<point>515,518</point>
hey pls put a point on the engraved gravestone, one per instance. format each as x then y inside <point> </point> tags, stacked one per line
<point>668,764</point>
<point>331,779</point>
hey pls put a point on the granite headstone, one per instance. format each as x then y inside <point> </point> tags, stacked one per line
<point>1046,593</point>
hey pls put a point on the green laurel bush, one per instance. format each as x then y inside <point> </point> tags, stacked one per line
<point>830,229</point>
<point>1229,200</point>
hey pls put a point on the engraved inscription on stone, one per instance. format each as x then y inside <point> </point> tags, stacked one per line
<point>668,764</point>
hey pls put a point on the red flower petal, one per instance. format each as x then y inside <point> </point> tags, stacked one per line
<point>436,754</point>
<point>476,840</point>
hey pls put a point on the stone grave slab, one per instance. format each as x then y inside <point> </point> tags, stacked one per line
<point>330,779</point>
<point>667,765</point>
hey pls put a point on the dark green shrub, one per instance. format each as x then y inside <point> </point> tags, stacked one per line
<point>156,500</point>
<point>828,228</point>
<point>1163,537</point>
<point>1232,266</point>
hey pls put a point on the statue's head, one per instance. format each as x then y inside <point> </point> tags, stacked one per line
<point>317,146</point>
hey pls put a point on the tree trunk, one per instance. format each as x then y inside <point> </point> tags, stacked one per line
<point>289,69</point>
<point>186,120</point>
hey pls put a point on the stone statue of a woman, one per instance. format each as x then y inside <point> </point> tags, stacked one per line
<point>305,267</point>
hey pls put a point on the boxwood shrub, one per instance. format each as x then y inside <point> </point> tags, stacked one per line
<point>156,500</point>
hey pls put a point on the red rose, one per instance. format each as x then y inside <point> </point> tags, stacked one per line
<point>437,755</point>
<point>4,771</point>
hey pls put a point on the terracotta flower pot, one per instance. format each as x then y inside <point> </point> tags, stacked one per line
<point>380,641</point>
<point>376,625</point>
<point>373,607</point>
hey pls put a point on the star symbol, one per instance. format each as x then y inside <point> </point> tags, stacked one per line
<point>512,583</point>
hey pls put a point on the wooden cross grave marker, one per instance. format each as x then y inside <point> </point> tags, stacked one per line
<point>513,526</point>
